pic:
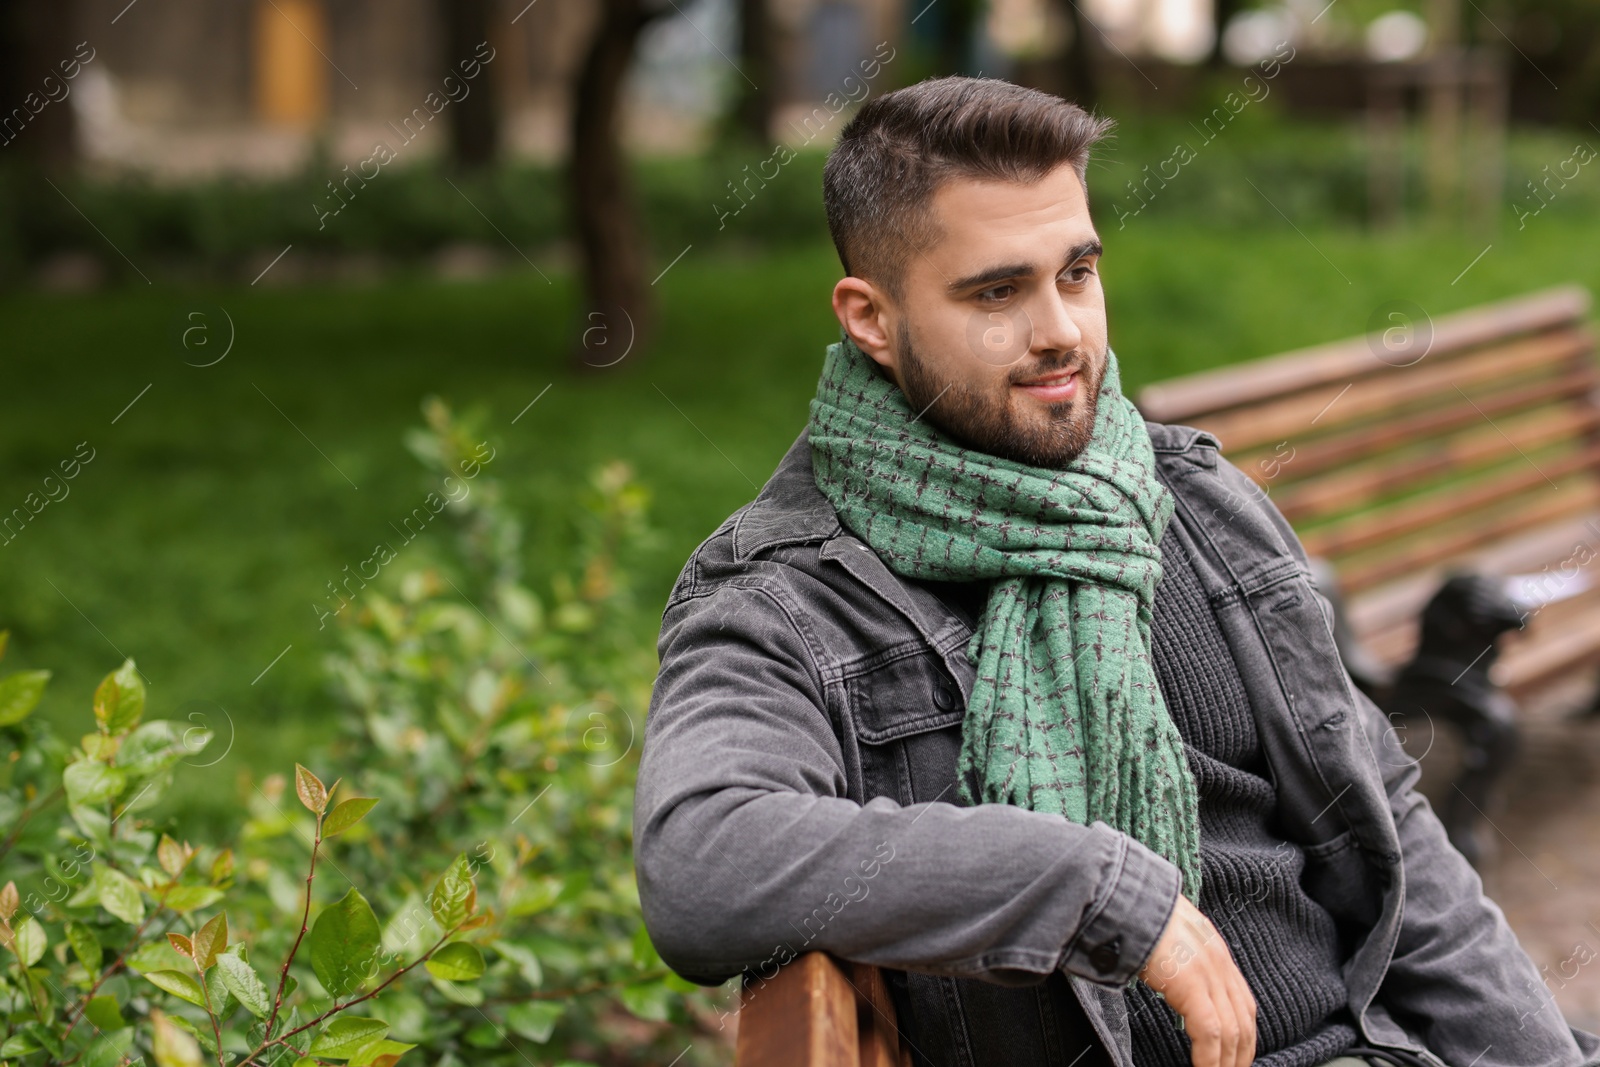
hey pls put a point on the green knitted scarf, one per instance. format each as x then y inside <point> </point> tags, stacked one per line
<point>1066,715</point>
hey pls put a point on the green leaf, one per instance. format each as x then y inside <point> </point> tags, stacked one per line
<point>211,939</point>
<point>118,894</point>
<point>170,1046</point>
<point>91,782</point>
<point>104,1013</point>
<point>680,985</point>
<point>185,898</point>
<point>458,961</point>
<point>119,699</point>
<point>172,856</point>
<point>486,1035</point>
<point>222,866</point>
<point>106,1048</point>
<point>535,1019</point>
<point>19,695</point>
<point>380,1053</point>
<point>536,896</point>
<point>45,1037</point>
<point>206,1039</point>
<point>346,814</point>
<point>156,747</point>
<point>344,944</point>
<point>21,1044</point>
<point>347,1036</point>
<point>158,956</point>
<point>645,955</point>
<point>648,1000</point>
<point>179,985</point>
<point>313,794</point>
<point>526,960</point>
<point>86,946</point>
<point>468,994</point>
<point>455,897</point>
<point>29,942</point>
<point>242,981</point>
<point>95,825</point>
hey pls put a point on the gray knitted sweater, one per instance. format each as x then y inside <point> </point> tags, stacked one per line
<point>1284,943</point>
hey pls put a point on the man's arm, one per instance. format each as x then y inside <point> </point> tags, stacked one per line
<point>1459,977</point>
<point>749,852</point>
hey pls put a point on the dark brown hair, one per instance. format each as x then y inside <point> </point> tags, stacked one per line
<point>879,181</point>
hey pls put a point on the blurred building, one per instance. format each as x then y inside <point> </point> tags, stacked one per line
<point>186,87</point>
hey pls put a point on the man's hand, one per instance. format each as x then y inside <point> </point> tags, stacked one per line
<point>1192,967</point>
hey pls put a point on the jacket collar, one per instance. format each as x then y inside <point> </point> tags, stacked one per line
<point>791,510</point>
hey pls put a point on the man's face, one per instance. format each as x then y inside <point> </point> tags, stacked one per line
<point>1000,337</point>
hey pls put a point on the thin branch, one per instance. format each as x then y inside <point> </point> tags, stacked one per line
<point>305,918</point>
<point>22,820</point>
<point>385,984</point>
<point>305,1055</point>
<point>83,1006</point>
<point>284,1038</point>
<point>216,1028</point>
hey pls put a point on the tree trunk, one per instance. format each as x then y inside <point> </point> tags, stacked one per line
<point>475,118</point>
<point>958,22</point>
<point>1080,59</point>
<point>36,38</point>
<point>618,308</point>
<point>753,115</point>
<point>1222,12</point>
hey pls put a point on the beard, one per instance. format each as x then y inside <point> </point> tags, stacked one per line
<point>987,422</point>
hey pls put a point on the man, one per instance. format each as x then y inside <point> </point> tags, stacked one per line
<point>1031,702</point>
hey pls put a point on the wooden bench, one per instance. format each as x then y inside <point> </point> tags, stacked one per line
<point>1480,453</point>
<point>819,1012</point>
<point>1409,459</point>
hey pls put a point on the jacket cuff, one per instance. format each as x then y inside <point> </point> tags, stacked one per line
<point>1127,917</point>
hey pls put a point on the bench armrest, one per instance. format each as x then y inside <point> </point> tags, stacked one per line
<point>819,1011</point>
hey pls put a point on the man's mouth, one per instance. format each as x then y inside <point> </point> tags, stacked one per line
<point>1053,387</point>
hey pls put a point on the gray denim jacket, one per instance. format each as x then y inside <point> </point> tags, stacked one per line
<point>797,792</point>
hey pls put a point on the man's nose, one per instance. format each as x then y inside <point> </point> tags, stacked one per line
<point>1054,328</point>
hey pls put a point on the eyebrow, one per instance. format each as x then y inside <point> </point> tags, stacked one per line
<point>1022,270</point>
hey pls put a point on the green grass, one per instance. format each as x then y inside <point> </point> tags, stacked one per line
<point>205,528</point>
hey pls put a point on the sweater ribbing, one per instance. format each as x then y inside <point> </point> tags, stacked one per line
<point>1284,943</point>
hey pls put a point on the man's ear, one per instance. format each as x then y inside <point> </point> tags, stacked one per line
<point>867,317</point>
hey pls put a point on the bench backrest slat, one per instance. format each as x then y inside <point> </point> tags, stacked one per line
<point>1484,452</point>
<point>1184,399</point>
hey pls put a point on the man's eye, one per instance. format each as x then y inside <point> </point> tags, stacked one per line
<point>997,294</point>
<point>1079,275</point>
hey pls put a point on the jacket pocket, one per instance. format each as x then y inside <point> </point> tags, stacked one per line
<point>907,715</point>
<point>1339,876</point>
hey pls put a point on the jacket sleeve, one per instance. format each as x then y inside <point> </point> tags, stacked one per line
<point>1459,978</point>
<point>748,850</point>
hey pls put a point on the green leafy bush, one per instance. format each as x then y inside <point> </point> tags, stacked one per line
<point>466,889</point>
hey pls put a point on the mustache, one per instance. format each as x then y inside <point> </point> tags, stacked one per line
<point>1076,361</point>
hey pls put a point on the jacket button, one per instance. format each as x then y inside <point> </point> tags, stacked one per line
<point>1105,957</point>
<point>943,698</point>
